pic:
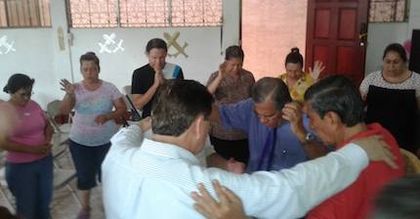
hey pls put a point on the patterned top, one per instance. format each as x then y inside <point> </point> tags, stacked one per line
<point>89,105</point>
<point>298,90</point>
<point>376,79</point>
<point>231,91</point>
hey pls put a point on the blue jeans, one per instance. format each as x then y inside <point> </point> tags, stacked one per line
<point>32,185</point>
<point>87,161</point>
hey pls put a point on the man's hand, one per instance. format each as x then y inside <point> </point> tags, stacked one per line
<point>229,206</point>
<point>292,112</point>
<point>145,124</point>
<point>377,150</point>
<point>235,166</point>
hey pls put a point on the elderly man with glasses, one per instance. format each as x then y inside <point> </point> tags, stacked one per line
<point>277,138</point>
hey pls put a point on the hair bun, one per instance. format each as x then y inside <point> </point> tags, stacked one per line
<point>295,49</point>
<point>6,89</point>
<point>90,53</point>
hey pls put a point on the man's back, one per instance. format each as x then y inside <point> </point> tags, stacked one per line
<point>355,202</point>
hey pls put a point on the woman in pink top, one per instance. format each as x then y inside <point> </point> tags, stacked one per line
<point>29,172</point>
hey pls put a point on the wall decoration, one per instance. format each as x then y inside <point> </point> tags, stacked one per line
<point>171,41</point>
<point>6,46</point>
<point>60,36</point>
<point>110,45</point>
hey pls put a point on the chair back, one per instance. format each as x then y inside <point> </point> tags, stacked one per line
<point>412,162</point>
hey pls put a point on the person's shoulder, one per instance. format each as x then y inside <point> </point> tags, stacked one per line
<point>144,69</point>
<point>374,75</point>
<point>108,84</point>
<point>169,64</point>
<point>282,76</point>
<point>416,76</point>
<point>33,103</point>
<point>247,74</point>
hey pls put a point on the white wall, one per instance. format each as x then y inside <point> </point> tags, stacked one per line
<point>382,34</point>
<point>38,53</point>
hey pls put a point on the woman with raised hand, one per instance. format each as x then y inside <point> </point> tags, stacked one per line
<point>97,104</point>
<point>295,78</point>
<point>230,84</point>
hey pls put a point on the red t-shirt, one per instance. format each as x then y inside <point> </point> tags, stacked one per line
<point>356,201</point>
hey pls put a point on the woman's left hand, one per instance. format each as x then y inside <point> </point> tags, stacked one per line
<point>318,68</point>
<point>101,119</point>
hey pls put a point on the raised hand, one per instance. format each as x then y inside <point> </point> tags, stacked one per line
<point>317,70</point>
<point>67,86</point>
<point>222,70</point>
<point>292,112</point>
<point>229,205</point>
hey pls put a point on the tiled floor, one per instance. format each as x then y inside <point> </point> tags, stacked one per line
<point>64,204</point>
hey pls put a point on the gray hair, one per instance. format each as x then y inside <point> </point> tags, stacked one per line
<point>269,88</point>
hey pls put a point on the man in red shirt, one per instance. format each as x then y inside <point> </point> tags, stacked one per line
<point>335,111</point>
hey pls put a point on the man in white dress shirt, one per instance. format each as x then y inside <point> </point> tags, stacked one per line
<point>156,179</point>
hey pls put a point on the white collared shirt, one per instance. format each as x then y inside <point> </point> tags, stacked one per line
<point>156,180</point>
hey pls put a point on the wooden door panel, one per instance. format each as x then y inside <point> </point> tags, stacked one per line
<point>347,24</point>
<point>322,26</point>
<point>333,36</point>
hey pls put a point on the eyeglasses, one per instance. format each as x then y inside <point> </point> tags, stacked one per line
<point>26,94</point>
<point>267,117</point>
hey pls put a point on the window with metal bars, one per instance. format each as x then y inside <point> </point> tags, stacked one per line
<point>144,13</point>
<point>388,11</point>
<point>25,13</point>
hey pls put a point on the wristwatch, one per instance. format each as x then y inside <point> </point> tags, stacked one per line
<point>309,137</point>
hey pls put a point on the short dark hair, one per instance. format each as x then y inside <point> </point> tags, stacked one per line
<point>17,82</point>
<point>399,199</point>
<point>156,43</point>
<point>398,48</point>
<point>90,56</point>
<point>234,52</point>
<point>178,104</point>
<point>337,94</point>
<point>273,88</point>
<point>294,57</point>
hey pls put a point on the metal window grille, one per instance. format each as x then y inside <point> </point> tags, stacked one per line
<point>25,13</point>
<point>144,13</point>
<point>388,11</point>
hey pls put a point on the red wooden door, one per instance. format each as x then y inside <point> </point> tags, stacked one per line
<point>336,35</point>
